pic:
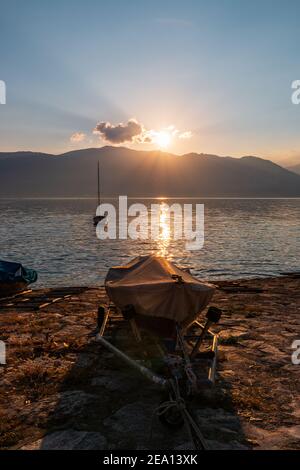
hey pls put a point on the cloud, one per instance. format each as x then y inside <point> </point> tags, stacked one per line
<point>150,136</point>
<point>78,137</point>
<point>135,132</point>
<point>185,135</point>
<point>130,132</point>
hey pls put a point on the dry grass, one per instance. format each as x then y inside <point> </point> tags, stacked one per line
<point>253,398</point>
<point>39,377</point>
<point>9,438</point>
<point>9,435</point>
<point>229,340</point>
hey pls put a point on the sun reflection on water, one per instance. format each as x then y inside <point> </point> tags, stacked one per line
<point>164,237</point>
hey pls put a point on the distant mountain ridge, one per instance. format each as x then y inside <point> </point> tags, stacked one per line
<point>295,169</point>
<point>142,173</point>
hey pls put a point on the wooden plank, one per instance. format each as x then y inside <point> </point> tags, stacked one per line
<point>10,297</point>
<point>53,301</point>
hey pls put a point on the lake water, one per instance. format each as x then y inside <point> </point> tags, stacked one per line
<point>243,238</point>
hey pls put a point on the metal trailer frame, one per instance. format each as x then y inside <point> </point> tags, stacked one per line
<point>212,317</point>
<point>171,384</point>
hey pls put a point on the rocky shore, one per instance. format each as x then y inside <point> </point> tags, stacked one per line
<point>60,389</point>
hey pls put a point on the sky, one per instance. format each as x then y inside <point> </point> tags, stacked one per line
<point>185,76</point>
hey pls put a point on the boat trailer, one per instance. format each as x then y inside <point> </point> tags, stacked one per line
<point>187,369</point>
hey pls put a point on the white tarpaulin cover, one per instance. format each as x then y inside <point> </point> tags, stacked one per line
<point>158,288</point>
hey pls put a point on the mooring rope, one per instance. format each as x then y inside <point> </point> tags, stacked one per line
<point>190,423</point>
<point>179,404</point>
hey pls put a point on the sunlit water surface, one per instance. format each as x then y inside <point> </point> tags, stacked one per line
<point>243,238</point>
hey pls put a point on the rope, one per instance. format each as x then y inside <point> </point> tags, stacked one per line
<point>188,366</point>
<point>192,378</point>
<point>179,404</point>
<point>190,424</point>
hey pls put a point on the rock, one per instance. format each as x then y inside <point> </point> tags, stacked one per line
<point>219,422</point>
<point>227,373</point>
<point>69,440</point>
<point>133,418</point>
<point>284,437</point>
<point>234,445</point>
<point>185,446</point>
<point>258,379</point>
<point>85,360</point>
<point>114,382</point>
<point>217,432</point>
<point>66,405</point>
<point>234,335</point>
<point>136,426</point>
<point>74,402</point>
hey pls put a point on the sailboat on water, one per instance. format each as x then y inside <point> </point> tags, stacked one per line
<point>98,218</point>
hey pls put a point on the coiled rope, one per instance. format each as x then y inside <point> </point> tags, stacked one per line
<point>177,403</point>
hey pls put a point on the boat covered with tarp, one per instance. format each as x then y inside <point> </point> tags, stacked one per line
<point>159,304</point>
<point>14,277</point>
<point>158,288</point>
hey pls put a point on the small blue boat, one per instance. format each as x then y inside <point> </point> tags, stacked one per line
<point>14,278</point>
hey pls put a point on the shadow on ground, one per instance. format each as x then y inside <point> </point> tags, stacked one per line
<point>103,404</point>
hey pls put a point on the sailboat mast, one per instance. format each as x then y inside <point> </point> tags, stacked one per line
<point>98,183</point>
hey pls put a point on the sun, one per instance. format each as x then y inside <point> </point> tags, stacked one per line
<point>163,139</point>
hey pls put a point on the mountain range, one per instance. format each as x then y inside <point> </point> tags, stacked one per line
<point>295,169</point>
<point>142,173</point>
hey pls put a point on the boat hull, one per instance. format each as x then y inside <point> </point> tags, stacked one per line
<point>8,289</point>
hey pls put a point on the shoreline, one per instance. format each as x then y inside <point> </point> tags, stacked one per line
<point>99,285</point>
<point>57,380</point>
<point>215,281</point>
